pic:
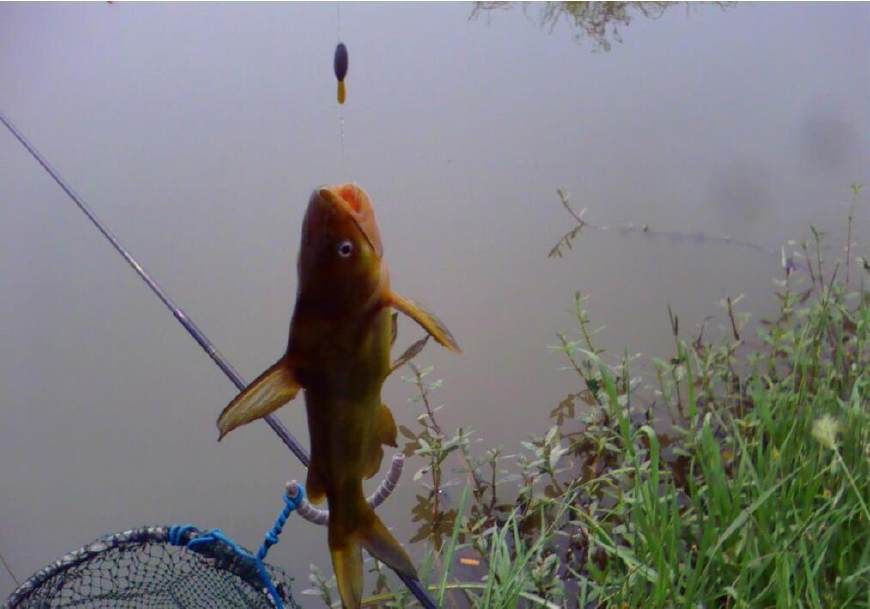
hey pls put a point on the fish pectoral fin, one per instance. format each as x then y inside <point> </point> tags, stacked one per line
<point>427,320</point>
<point>271,390</point>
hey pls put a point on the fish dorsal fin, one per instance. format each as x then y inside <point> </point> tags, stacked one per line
<point>271,390</point>
<point>387,431</point>
<point>376,457</point>
<point>427,320</point>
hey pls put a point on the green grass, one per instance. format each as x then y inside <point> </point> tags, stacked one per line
<point>757,496</point>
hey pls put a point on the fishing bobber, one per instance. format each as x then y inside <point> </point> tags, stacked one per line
<point>339,64</point>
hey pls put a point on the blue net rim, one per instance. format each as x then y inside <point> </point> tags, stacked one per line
<point>219,555</point>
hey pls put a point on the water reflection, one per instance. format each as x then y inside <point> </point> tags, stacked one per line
<point>203,156</point>
<point>599,22</point>
<point>741,192</point>
<point>828,140</point>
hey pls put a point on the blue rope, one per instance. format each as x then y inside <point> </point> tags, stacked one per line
<point>271,537</point>
<point>177,533</point>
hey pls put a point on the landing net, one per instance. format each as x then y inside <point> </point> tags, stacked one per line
<point>156,567</point>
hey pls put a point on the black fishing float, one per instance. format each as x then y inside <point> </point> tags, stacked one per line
<point>339,64</point>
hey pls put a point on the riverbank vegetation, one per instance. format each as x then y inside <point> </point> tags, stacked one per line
<point>731,473</point>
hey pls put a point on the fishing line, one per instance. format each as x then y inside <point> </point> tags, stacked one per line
<point>341,135</point>
<point>277,426</point>
<point>9,570</point>
<point>341,103</point>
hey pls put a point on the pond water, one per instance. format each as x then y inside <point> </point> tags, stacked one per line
<point>198,133</point>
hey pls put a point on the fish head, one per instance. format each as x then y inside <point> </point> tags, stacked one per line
<point>341,263</point>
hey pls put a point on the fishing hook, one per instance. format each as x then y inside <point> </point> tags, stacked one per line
<point>384,490</point>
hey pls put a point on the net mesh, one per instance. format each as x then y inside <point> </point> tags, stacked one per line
<point>142,569</point>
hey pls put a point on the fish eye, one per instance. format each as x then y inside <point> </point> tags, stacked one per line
<point>345,248</point>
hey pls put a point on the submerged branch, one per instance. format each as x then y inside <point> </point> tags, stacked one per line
<point>699,237</point>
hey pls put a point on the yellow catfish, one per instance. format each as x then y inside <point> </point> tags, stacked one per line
<point>339,353</point>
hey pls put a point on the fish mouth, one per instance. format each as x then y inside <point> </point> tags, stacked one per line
<point>347,197</point>
<point>354,202</point>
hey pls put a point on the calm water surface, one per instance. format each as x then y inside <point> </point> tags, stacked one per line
<point>198,132</point>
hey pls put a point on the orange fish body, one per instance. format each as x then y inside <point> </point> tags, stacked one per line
<point>339,353</point>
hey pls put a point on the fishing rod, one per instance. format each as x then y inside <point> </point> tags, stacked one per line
<point>414,585</point>
<point>192,329</point>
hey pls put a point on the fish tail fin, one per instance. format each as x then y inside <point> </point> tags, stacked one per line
<point>348,566</point>
<point>345,550</point>
<point>381,544</point>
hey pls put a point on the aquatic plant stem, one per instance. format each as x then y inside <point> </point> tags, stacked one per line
<point>853,483</point>
<point>289,440</point>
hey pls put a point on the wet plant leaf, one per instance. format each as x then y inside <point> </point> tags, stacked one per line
<point>410,353</point>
